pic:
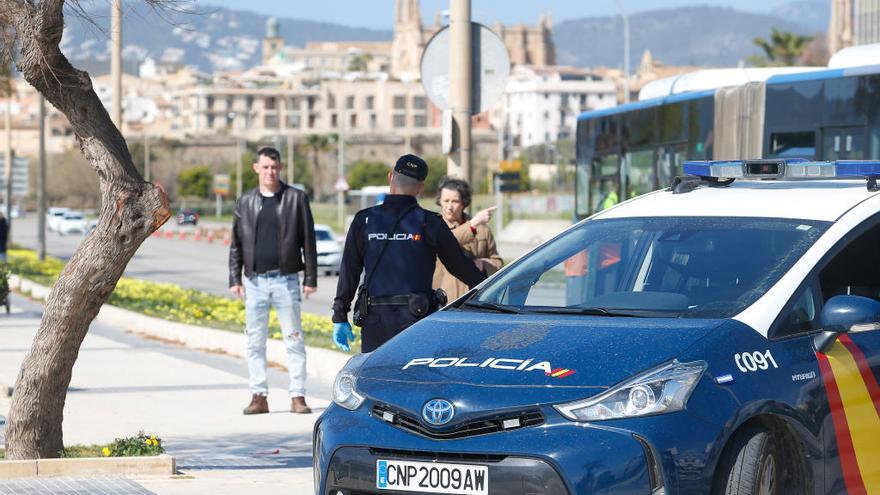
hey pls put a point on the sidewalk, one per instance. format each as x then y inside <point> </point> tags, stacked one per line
<point>123,383</point>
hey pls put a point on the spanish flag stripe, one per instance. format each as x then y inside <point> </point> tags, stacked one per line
<point>569,372</point>
<point>559,372</point>
<point>864,369</point>
<point>851,476</point>
<point>861,415</point>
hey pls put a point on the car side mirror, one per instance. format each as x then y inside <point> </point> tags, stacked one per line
<point>840,314</point>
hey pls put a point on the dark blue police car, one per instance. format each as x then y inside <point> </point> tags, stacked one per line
<point>722,336</point>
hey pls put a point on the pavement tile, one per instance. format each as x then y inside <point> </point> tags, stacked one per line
<point>72,486</point>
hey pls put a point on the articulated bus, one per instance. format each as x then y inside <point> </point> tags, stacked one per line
<point>815,113</point>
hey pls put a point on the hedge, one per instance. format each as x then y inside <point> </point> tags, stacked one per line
<point>172,302</point>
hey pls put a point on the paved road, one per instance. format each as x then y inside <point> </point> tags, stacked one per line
<point>188,263</point>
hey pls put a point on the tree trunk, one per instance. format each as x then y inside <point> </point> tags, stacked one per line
<point>131,209</point>
<point>317,185</point>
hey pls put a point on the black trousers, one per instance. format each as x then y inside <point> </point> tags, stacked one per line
<point>383,323</point>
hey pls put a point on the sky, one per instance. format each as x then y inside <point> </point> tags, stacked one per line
<point>377,14</point>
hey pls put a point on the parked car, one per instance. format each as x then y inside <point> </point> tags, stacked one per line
<point>187,217</point>
<point>54,215</point>
<point>15,212</point>
<point>329,250</point>
<point>721,336</point>
<point>72,222</point>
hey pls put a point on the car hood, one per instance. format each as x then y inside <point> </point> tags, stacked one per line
<point>502,361</point>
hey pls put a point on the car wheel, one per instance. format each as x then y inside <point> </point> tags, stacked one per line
<point>753,465</point>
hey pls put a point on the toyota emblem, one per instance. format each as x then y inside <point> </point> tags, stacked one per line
<point>438,412</point>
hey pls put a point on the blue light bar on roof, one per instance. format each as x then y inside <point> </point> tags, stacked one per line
<point>787,168</point>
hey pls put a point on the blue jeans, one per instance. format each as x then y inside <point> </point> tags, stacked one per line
<point>283,292</point>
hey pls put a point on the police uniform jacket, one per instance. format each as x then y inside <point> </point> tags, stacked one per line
<point>407,264</point>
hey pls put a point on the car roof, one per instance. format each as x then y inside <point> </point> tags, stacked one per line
<point>807,200</point>
<point>321,226</point>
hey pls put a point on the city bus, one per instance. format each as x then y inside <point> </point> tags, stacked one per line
<point>795,112</point>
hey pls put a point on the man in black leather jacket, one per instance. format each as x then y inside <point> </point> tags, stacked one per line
<point>272,233</point>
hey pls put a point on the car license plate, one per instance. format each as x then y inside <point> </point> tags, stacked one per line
<point>432,477</point>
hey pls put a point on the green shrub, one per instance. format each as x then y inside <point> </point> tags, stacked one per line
<point>4,280</point>
<point>138,445</point>
<point>174,303</point>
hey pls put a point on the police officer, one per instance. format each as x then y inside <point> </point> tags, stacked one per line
<point>395,245</point>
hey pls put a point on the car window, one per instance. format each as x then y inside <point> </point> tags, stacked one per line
<point>323,235</point>
<point>683,266</point>
<point>802,316</point>
<point>855,270</point>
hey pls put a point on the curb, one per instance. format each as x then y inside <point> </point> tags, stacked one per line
<point>161,465</point>
<point>322,365</point>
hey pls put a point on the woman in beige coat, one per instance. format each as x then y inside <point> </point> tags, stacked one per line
<point>473,234</point>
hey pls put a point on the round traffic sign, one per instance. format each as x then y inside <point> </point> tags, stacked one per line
<point>491,68</point>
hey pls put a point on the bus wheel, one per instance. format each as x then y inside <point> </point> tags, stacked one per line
<point>752,466</point>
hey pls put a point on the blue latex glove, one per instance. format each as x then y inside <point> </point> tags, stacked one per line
<point>342,335</point>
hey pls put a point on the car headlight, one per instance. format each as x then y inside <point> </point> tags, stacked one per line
<point>345,391</point>
<point>657,391</point>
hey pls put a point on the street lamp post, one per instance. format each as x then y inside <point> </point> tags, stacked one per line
<point>238,153</point>
<point>625,51</point>
<point>340,172</point>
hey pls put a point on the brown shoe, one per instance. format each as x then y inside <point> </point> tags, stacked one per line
<point>298,405</point>
<point>258,405</point>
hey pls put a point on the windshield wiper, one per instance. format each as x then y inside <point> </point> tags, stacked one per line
<point>595,311</point>
<point>501,308</point>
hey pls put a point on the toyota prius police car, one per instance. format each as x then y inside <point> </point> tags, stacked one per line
<point>720,336</point>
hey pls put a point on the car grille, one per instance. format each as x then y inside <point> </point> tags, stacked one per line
<point>485,426</point>
<point>417,455</point>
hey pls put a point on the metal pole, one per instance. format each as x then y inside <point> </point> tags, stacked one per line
<point>41,184</point>
<point>461,78</point>
<point>499,202</point>
<point>340,171</point>
<point>10,156</point>
<point>116,62</point>
<point>625,51</point>
<point>146,158</point>
<point>238,159</point>
<point>290,162</point>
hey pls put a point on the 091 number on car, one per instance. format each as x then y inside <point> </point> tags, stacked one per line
<point>748,362</point>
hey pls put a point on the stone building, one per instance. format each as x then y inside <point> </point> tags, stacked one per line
<point>853,22</point>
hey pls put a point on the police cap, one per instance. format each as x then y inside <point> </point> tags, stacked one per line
<point>412,166</point>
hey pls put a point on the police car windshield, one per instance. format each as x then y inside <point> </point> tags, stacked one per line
<point>696,267</point>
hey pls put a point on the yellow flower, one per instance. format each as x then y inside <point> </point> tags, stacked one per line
<point>106,451</point>
<point>149,442</point>
<point>153,437</point>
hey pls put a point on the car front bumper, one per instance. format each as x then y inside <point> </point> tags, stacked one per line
<point>556,457</point>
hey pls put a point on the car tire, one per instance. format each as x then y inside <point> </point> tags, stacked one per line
<point>752,465</point>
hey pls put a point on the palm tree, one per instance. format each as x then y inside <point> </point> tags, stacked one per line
<point>317,144</point>
<point>784,48</point>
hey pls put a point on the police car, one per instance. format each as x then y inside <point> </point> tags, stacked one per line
<point>720,336</point>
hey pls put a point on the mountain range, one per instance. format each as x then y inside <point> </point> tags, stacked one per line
<point>215,38</point>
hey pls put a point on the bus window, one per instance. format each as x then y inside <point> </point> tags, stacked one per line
<point>670,159</point>
<point>874,150</point>
<point>605,182</point>
<point>701,120</point>
<point>843,143</point>
<point>639,173</point>
<point>793,145</point>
